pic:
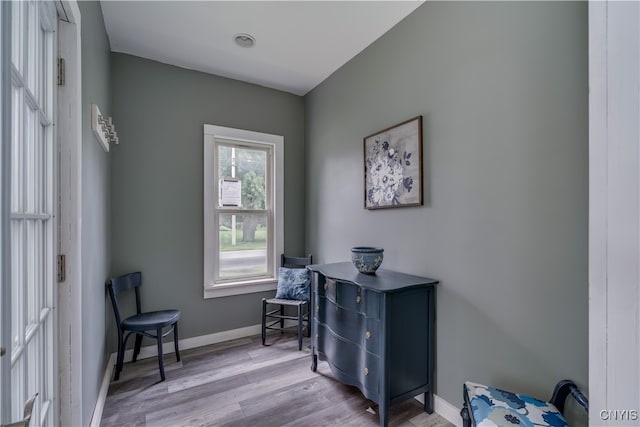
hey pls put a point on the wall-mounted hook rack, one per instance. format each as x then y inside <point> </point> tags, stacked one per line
<point>103,128</point>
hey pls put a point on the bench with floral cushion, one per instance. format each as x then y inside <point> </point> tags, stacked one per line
<point>488,406</point>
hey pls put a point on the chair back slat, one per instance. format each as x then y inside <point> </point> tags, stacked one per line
<point>116,285</point>
<point>295,262</point>
<point>126,282</point>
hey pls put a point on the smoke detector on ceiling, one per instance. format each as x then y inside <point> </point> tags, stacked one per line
<point>244,40</point>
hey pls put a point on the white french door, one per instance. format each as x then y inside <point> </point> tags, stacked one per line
<point>28,277</point>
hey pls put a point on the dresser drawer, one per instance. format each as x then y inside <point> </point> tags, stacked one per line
<point>350,325</point>
<point>351,296</point>
<point>361,366</point>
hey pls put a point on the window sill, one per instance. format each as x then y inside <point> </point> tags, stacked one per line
<point>240,288</point>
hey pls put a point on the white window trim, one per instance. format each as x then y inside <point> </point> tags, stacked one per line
<point>211,132</point>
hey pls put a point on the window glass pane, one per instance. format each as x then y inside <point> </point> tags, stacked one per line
<point>33,32</point>
<point>43,75</point>
<point>48,75</point>
<point>34,370</point>
<point>18,28</point>
<point>17,147</point>
<point>248,167</point>
<point>243,245</point>
<point>17,282</point>
<point>18,392</point>
<point>31,167</point>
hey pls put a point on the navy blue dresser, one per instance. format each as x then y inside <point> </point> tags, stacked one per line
<point>377,332</point>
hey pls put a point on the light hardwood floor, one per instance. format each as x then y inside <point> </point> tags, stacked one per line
<point>242,383</point>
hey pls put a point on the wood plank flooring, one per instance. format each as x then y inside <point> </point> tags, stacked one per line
<point>242,383</point>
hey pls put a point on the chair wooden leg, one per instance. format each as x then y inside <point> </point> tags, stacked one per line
<point>175,341</point>
<point>119,359</point>
<point>464,413</point>
<point>264,320</point>
<point>282,320</point>
<point>160,361</point>
<point>299,327</point>
<point>136,348</point>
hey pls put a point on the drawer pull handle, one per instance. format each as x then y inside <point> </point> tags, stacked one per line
<point>317,308</point>
<point>366,371</point>
<point>326,285</point>
<point>358,299</point>
<point>367,335</point>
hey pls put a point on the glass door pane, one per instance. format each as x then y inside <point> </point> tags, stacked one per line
<point>31,343</point>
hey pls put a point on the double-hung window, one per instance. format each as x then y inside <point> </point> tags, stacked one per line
<point>243,203</point>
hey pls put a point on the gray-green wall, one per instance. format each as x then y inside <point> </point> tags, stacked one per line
<point>96,223</point>
<point>157,182</point>
<point>503,91</point>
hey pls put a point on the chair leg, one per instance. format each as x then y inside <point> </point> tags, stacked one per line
<point>299,327</point>
<point>119,359</point>
<point>160,361</point>
<point>175,341</point>
<point>264,320</point>
<point>136,348</point>
<point>282,320</point>
<point>464,413</point>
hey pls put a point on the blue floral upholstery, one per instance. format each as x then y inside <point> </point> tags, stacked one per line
<point>494,407</point>
<point>293,283</point>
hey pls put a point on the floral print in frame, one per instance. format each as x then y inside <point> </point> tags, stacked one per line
<point>393,166</point>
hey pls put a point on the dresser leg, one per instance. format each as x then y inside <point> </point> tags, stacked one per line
<point>428,402</point>
<point>314,363</point>
<point>384,415</point>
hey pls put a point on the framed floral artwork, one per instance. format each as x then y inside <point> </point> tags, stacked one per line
<point>393,166</point>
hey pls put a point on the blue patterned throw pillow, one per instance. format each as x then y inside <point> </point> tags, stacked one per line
<point>293,283</point>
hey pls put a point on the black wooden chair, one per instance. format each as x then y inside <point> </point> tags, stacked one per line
<point>485,405</point>
<point>301,305</point>
<point>140,323</point>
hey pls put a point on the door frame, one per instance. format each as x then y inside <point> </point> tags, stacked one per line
<point>614,212</point>
<point>69,134</point>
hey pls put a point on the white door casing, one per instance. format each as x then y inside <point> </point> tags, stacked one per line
<point>70,189</point>
<point>614,213</point>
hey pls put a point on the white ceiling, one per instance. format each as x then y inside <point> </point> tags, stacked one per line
<point>298,43</point>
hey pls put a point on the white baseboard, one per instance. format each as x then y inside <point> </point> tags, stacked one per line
<point>193,342</point>
<point>102,395</point>
<point>448,411</point>
<point>445,409</point>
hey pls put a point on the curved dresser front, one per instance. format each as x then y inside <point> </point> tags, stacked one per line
<point>375,331</point>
